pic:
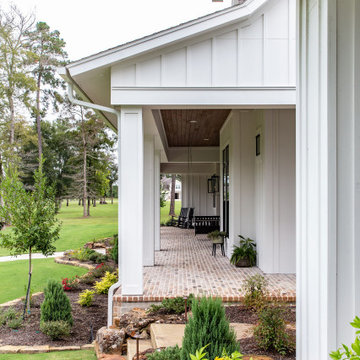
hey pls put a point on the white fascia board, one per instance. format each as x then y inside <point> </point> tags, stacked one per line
<point>166,37</point>
<point>212,96</point>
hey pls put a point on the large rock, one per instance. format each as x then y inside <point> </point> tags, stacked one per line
<point>110,341</point>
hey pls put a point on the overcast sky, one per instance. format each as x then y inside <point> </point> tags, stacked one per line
<point>89,26</point>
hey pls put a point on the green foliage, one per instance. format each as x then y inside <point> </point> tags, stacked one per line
<point>172,305</point>
<point>31,214</point>
<point>270,334</point>
<point>82,254</point>
<point>98,258</point>
<point>255,289</point>
<point>208,325</point>
<point>15,323</point>
<point>200,355</point>
<point>114,252</point>
<point>351,352</point>
<point>11,318</point>
<point>88,278</point>
<point>56,305</point>
<point>55,329</point>
<point>103,286</point>
<point>170,353</point>
<point>246,250</point>
<point>216,234</point>
<point>101,269</point>
<point>86,297</point>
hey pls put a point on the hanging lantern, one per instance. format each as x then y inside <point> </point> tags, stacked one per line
<point>213,187</point>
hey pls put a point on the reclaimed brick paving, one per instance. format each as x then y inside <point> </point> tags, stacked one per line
<point>185,265</point>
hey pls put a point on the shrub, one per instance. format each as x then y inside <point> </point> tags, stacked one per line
<point>347,352</point>
<point>81,254</point>
<point>270,334</point>
<point>15,323</point>
<point>2,317</point>
<point>56,305</point>
<point>255,289</point>
<point>101,269</point>
<point>10,314</point>
<point>170,353</point>
<point>200,355</point>
<point>114,252</point>
<point>55,329</point>
<point>102,287</point>
<point>70,283</point>
<point>86,297</point>
<point>87,278</point>
<point>172,306</point>
<point>208,325</point>
<point>97,258</point>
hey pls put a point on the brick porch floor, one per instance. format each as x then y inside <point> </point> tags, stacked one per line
<point>185,265</point>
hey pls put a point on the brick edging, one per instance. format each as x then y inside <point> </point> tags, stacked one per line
<point>134,299</point>
<point>22,349</point>
<point>62,261</point>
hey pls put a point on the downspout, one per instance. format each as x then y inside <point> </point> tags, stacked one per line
<point>75,101</point>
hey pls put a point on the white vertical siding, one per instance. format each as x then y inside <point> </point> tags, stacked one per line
<point>256,52</point>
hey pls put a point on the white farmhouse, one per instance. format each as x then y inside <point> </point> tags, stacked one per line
<point>217,95</point>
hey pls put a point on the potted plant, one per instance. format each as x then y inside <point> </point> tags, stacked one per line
<point>244,255</point>
<point>217,237</point>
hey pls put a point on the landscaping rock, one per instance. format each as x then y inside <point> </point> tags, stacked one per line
<point>110,341</point>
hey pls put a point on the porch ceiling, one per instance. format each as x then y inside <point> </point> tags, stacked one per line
<point>193,127</point>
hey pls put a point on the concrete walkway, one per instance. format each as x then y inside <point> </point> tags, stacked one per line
<point>39,256</point>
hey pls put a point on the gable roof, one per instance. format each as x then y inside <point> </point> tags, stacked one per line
<point>165,37</point>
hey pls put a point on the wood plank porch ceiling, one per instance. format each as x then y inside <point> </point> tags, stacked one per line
<point>193,127</point>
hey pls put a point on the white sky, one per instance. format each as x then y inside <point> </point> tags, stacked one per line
<point>90,26</point>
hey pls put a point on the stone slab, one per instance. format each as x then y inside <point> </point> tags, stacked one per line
<point>35,349</point>
<point>64,348</point>
<point>243,331</point>
<point>164,335</point>
<point>131,347</point>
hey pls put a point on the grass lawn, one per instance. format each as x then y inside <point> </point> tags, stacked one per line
<point>164,211</point>
<point>76,230</point>
<point>14,276</point>
<point>57,355</point>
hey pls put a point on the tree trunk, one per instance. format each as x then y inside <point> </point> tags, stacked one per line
<point>172,195</point>
<point>111,194</point>
<point>12,119</point>
<point>38,117</point>
<point>88,206</point>
<point>67,202</point>
<point>94,202</point>
<point>28,290</point>
<point>1,177</point>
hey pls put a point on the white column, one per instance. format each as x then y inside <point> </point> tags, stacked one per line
<point>328,176</point>
<point>131,200</point>
<point>149,204</point>
<point>157,200</point>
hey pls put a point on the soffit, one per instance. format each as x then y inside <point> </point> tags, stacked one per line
<point>185,127</point>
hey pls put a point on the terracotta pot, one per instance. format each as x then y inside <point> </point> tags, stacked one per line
<point>243,263</point>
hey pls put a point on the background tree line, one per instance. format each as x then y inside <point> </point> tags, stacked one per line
<point>38,122</point>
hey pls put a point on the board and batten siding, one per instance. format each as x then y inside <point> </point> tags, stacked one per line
<point>262,188</point>
<point>256,52</point>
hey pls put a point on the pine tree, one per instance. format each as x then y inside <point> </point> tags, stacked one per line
<point>56,305</point>
<point>208,326</point>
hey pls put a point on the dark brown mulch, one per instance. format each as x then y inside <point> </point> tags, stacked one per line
<point>240,314</point>
<point>84,318</point>
<point>249,346</point>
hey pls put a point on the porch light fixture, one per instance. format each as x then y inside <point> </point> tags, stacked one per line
<point>257,139</point>
<point>213,187</point>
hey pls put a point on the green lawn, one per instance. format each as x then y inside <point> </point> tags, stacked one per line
<point>164,212</point>
<point>57,355</point>
<point>14,276</point>
<point>76,230</point>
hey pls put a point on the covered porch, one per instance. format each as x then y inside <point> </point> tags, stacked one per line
<point>185,265</point>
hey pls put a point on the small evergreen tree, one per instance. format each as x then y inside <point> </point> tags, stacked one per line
<point>208,326</point>
<point>56,305</point>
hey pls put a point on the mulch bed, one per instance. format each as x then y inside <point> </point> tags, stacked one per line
<point>84,318</point>
<point>239,314</point>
